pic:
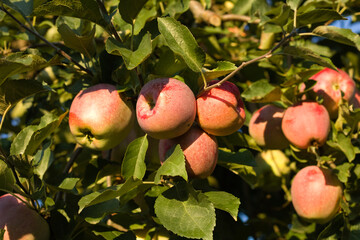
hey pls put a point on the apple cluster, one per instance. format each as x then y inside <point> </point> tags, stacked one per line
<point>316,192</point>
<point>167,110</point>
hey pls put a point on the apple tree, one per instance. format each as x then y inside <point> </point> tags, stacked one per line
<point>272,90</point>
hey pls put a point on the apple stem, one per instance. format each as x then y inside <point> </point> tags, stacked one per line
<point>282,42</point>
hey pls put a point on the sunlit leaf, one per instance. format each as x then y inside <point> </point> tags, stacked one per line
<point>262,91</point>
<point>192,214</point>
<point>31,137</point>
<point>84,44</point>
<point>341,35</point>
<point>84,9</point>
<point>131,58</point>
<point>133,164</point>
<point>173,166</point>
<point>180,40</point>
<point>108,193</point>
<point>225,201</point>
<point>307,54</point>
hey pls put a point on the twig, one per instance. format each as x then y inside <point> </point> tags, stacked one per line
<point>244,64</point>
<point>111,25</point>
<point>236,17</point>
<point>203,15</point>
<point>58,50</point>
<point>77,150</point>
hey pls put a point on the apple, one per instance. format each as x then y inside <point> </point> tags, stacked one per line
<point>316,193</point>
<point>166,108</point>
<point>200,151</point>
<point>100,117</point>
<point>330,85</point>
<point>21,222</point>
<point>220,110</point>
<point>265,127</point>
<point>271,167</point>
<point>306,124</point>
<point>355,101</point>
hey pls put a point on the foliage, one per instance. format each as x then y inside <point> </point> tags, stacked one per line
<point>51,49</point>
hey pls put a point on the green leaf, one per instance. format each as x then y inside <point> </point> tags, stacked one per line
<point>173,166</point>
<point>175,7</point>
<point>95,213</point>
<point>84,44</point>
<point>133,164</point>
<point>185,212</point>
<point>241,163</point>
<point>25,7</point>
<point>225,201</point>
<point>69,183</point>
<point>131,58</point>
<point>223,68</point>
<point>7,179</point>
<point>19,63</point>
<point>343,143</point>
<point>31,137</point>
<point>108,193</point>
<point>307,54</point>
<point>180,40</point>
<point>12,91</point>
<point>332,227</point>
<point>147,13</point>
<point>43,159</point>
<point>283,17</point>
<point>317,16</point>
<point>129,9</point>
<point>2,232</point>
<point>341,35</point>
<point>111,234</point>
<point>294,4</point>
<point>344,171</point>
<point>84,9</point>
<point>169,64</point>
<point>262,91</point>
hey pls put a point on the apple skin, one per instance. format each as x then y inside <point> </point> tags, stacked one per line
<point>220,111</point>
<point>265,127</point>
<point>316,193</point>
<point>271,167</point>
<point>306,124</point>
<point>355,101</point>
<point>166,108</point>
<point>100,117</point>
<point>200,151</point>
<point>20,222</point>
<point>329,85</point>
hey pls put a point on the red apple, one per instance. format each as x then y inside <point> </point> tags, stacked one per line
<point>220,110</point>
<point>331,85</point>
<point>306,124</point>
<point>265,127</point>
<point>166,108</point>
<point>316,193</point>
<point>355,101</point>
<point>100,117</point>
<point>200,151</point>
<point>21,222</point>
